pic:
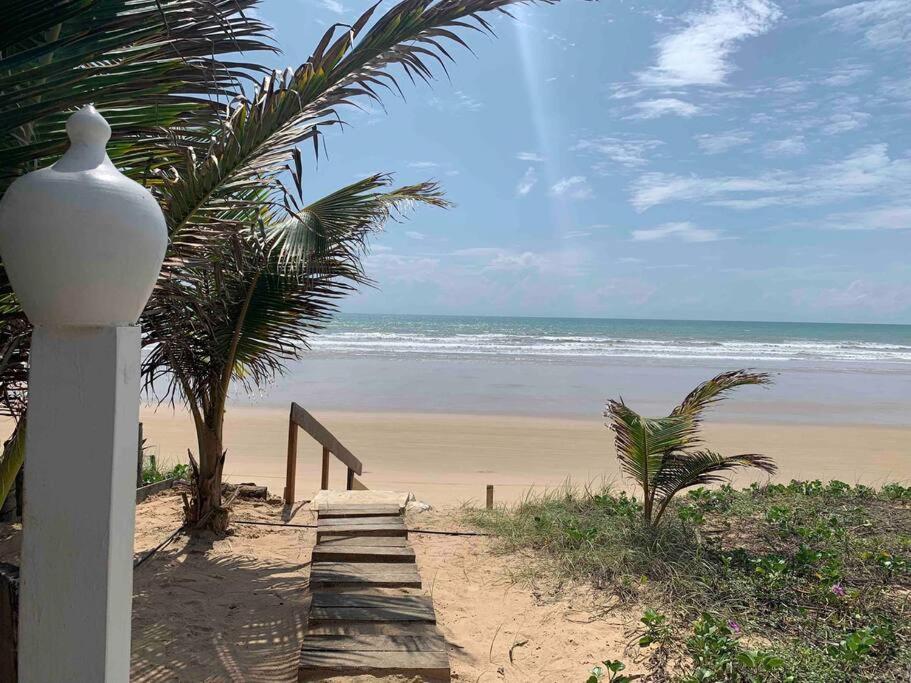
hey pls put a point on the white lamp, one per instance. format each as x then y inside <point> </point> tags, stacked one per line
<point>81,242</point>
<point>82,245</point>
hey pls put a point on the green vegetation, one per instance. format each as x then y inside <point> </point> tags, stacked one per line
<point>152,471</point>
<point>664,455</point>
<point>799,582</point>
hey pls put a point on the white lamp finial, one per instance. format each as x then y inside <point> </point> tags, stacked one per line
<point>88,127</point>
<point>81,242</point>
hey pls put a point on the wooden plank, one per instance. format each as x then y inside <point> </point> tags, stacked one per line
<point>374,643</point>
<point>291,466</point>
<point>355,553</point>
<point>330,539</point>
<point>384,600</point>
<point>427,666</point>
<point>363,574</point>
<point>324,437</point>
<point>363,530</point>
<point>324,472</point>
<point>323,522</point>
<point>340,511</point>
<point>321,616</point>
<point>151,489</point>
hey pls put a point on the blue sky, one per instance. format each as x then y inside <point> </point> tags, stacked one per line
<point>735,159</point>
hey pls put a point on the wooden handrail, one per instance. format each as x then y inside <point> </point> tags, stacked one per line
<point>301,419</point>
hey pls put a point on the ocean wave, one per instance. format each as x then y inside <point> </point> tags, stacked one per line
<point>581,346</point>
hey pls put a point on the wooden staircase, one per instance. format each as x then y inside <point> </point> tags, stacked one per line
<point>367,614</point>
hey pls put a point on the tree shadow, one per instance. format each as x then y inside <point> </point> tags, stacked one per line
<point>198,616</point>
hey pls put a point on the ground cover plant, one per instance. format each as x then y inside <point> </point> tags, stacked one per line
<point>803,581</point>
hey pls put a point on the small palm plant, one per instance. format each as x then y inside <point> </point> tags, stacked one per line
<point>665,455</point>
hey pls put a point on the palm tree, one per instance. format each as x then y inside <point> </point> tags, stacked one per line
<point>151,66</point>
<point>247,304</point>
<point>251,271</point>
<point>664,455</point>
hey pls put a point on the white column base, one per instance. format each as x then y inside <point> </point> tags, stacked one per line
<point>80,478</point>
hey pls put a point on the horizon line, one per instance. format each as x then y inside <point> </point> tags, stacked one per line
<point>592,317</point>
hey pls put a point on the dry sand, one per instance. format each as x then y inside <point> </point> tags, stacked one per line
<point>446,459</point>
<point>209,610</point>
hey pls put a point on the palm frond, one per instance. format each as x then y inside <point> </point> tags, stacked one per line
<point>715,389</point>
<point>11,459</point>
<point>291,108</point>
<point>250,305</point>
<point>146,64</point>
<point>683,470</point>
<point>642,443</point>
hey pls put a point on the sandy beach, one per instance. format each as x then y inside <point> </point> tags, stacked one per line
<point>447,459</point>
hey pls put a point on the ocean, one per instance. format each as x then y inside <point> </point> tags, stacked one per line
<point>568,367</point>
<point>593,338</point>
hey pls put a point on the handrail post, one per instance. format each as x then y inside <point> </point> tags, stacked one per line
<point>349,480</point>
<point>291,473</point>
<point>324,480</point>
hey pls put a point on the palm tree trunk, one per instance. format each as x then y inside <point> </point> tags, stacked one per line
<point>209,514</point>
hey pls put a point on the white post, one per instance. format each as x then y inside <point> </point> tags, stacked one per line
<point>82,245</point>
<point>77,550</point>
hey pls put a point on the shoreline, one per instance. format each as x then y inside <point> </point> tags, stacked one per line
<point>448,458</point>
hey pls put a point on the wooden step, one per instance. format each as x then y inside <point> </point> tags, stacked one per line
<point>317,665</point>
<point>380,529</point>
<point>351,608</point>
<point>374,643</point>
<point>335,511</point>
<point>332,540</point>
<point>328,552</point>
<point>359,521</point>
<point>363,575</point>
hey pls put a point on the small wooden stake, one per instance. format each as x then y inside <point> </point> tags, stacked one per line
<point>490,496</point>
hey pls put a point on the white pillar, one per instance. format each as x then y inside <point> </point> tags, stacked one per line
<point>82,245</point>
<point>77,550</point>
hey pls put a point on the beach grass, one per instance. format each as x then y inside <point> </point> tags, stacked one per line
<point>783,582</point>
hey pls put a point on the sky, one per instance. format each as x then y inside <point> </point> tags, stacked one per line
<point>729,160</point>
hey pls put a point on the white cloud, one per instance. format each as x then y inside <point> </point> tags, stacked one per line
<point>529,156</point>
<point>846,74</point>
<point>526,260</point>
<point>685,232</point>
<point>860,295</point>
<point>527,182</point>
<point>386,265</point>
<point>699,53</point>
<point>414,234</point>
<point>576,234</point>
<point>464,101</point>
<point>868,171</point>
<point>846,121</point>
<point>333,6</point>
<point>574,187</point>
<point>461,101</point>
<point>423,164</point>
<point>787,147</point>
<point>664,106</point>
<point>624,151</point>
<point>885,23</point>
<point>717,143</point>
<point>891,217</point>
